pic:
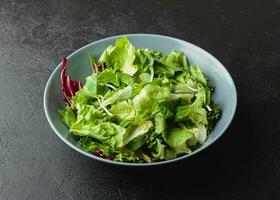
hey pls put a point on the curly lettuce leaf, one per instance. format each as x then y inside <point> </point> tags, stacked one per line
<point>126,155</point>
<point>160,123</point>
<point>91,85</point>
<point>171,63</point>
<point>186,88</point>
<point>135,131</point>
<point>120,57</point>
<point>119,95</point>
<point>68,116</point>
<point>106,132</point>
<point>177,136</point>
<point>150,94</point>
<point>158,149</point>
<point>123,110</point>
<point>145,61</point>
<point>106,151</point>
<point>198,75</point>
<point>107,77</point>
<point>195,111</point>
<point>172,153</point>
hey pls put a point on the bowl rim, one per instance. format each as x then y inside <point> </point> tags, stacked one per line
<point>194,47</point>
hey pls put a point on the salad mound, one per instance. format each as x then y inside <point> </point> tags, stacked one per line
<point>139,105</point>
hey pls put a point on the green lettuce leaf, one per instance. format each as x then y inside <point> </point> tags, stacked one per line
<point>136,143</point>
<point>184,98</point>
<point>120,57</point>
<point>68,116</point>
<point>170,63</point>
<point>91,85</point>
<point>90,145</point>
<point>194,112</point>
<point>186,88</point>
<point>123,155</point>
<point>126,155</point>
<point>198,75</point>
<point>150,94</point>
<point>123,110</point>
<point>105,132</point>
<point>106,77</point>
<point>145,61</point>
<point>119,95</point>
<point>135,131</point>
<point>177,136</point>
<point>158,150</point>
<point>172,153</point>
<point>160,123</point>
<point>126,79</point>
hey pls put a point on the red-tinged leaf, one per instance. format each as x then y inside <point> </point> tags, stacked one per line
<point>76,85</point>
<point>101,155</point>
<point>69,87</point>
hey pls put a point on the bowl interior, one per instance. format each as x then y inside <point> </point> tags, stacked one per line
<point>79,68</point>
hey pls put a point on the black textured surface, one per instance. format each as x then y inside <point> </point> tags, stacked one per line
<point>243,164</point>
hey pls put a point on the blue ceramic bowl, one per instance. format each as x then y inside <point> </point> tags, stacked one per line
<point>225,93</point>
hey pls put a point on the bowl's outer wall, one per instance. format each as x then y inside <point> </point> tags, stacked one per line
<point>79,67</point>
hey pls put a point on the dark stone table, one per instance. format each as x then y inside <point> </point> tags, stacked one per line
<point>36,164</point>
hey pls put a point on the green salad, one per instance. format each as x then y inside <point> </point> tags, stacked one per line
<point>139,105</point>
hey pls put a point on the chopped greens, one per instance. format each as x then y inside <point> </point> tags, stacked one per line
<point>139,105</point>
